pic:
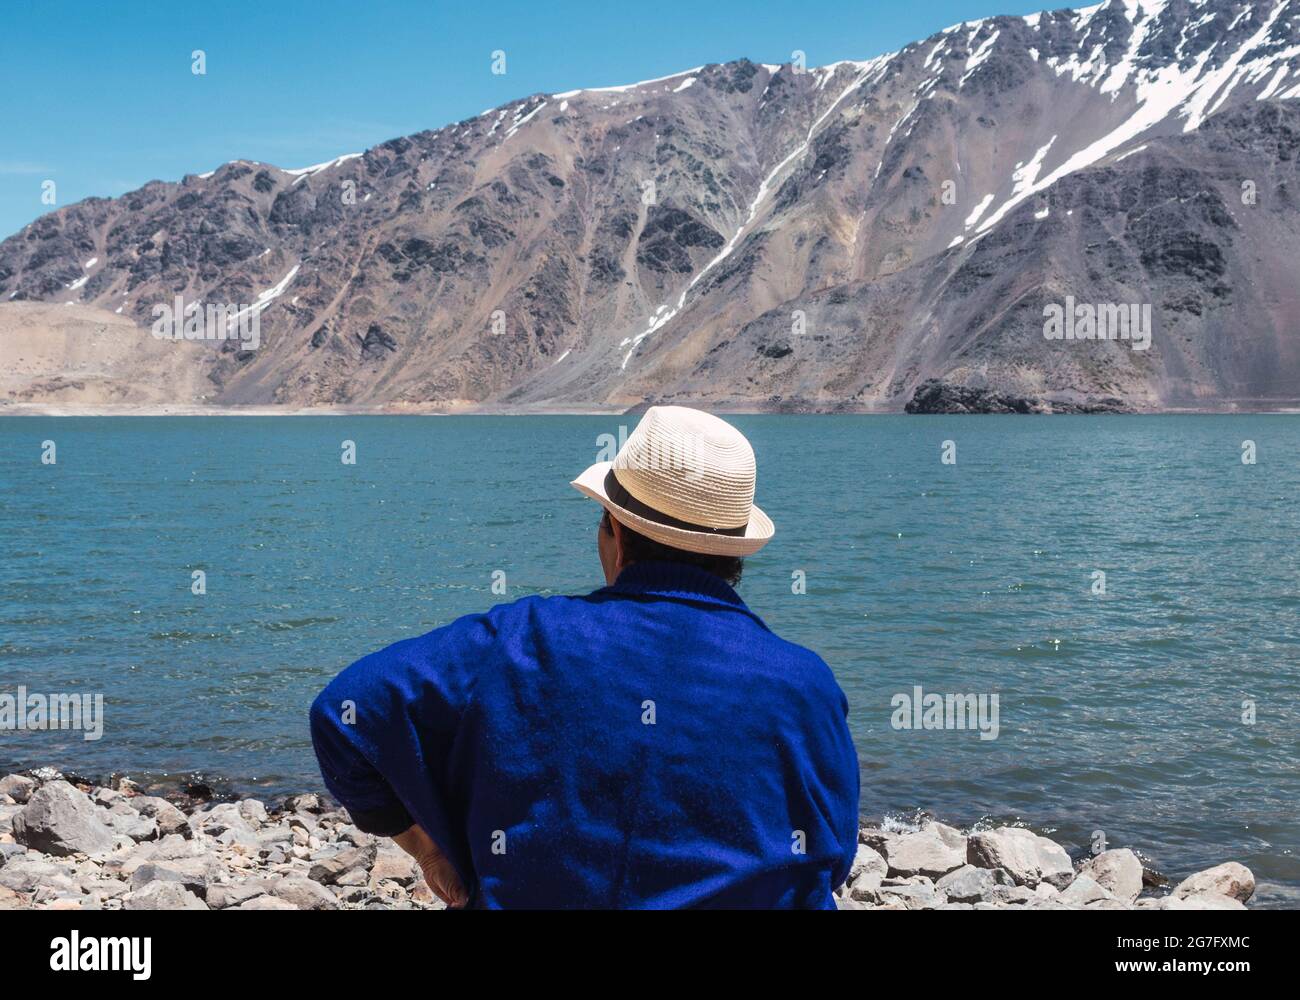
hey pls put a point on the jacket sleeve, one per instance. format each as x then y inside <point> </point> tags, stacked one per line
<point>388,731</point>
<point>846,817</point>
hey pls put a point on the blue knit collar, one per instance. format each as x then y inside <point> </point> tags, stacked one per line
<point>675,580</point>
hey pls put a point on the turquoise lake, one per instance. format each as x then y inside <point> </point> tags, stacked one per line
<point>1164,712</point>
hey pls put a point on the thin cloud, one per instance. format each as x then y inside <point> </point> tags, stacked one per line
<point>15,167</point>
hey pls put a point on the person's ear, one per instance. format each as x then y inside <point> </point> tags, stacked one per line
<point>618,542</point>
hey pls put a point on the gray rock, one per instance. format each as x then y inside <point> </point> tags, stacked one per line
<point>304,803</point>
<point>222,897</point>
<point>107,797</point>
<point>168,818</point>
<point>969,884</point>
<point>875,838</point>
<point>354,860</point>
<point>225,824</point>
<point>1200,901</point>
<point>163,896</point>
<point>866,887</point>
<point>914,896</point>
<point>131,824</point>
<point>1083,890</point>
<point>266,903</point>
<point>8,851</point>
<point>1027,857</point>
<point>253,811</point>
<point>924,853</point>
<point>1118,871</point>
<point>356,837</point>
<point>1231,879</point>
<point>195,874</point>
<point>395,865</point>
<point>950,835</point>
<point>362,894</point>
<point>60,820</point>
<point>18,786</point>
<point>1109,903</point>
<point>26,872</point>
<point>12,900</point>
<point>304,893</point>
<point>867,859</point>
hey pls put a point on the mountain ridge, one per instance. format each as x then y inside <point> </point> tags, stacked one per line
<point>753,237</point>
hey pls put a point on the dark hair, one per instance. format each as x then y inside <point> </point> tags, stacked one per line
<point>638,548</point>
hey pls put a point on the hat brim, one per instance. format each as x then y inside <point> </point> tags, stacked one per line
<point>758,532</point>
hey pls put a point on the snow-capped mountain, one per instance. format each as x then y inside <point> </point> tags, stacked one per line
<point>863,235</point>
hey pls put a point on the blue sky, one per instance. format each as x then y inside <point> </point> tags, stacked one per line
<point>100,98</point>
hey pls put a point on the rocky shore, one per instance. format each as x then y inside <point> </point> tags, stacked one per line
<point>72,845</point>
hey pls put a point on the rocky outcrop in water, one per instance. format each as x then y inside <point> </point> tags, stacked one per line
<point>66,846</point>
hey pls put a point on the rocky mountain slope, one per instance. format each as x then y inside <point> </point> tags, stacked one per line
<point>865,235</point>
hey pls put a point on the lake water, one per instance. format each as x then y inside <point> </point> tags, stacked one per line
<point>1120,712</point>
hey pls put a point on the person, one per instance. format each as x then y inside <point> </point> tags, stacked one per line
<point>649,745</point>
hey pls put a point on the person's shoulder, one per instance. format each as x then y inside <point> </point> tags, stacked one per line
<point>800,656</point>
<point>801,664</point>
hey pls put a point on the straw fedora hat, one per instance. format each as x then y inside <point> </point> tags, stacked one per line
<point>683,478</point>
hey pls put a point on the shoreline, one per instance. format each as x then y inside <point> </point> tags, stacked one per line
<point>70,843</point>
<point>66,410</point>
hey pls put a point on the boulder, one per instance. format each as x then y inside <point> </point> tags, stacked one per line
<point>334,870</point>
<point>11,900</point>
<point>914,896</point>
<point>867,859</point>
<point>265,903</point>
<point>1230,879</point>
<point>1119,872</point>
<point>225,823</point>
<point>394,864</point>
<point>1083,890</point>
<point>224,897</point>
<point>107,797</point>
<point>875,838</point>
<point>303,893</point>
<point>195,874</point>
<point>27,872</point>
<point>924,853</point>
<point>950,835</point>
<point>60,820</point>
<point>163,896</point>
<point>1027,857</point>
<point>19,787</point>
<point>969,884</point>
<point>1013,895</point>
<point>253,811</point>
<point>1202,901</point>
<point>168,818</point>
<point>866,887</point>
<point>130,823</point>
<point>1109,903</point>
<point>304,803</point>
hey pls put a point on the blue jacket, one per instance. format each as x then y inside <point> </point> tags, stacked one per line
<point>652,744</point>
